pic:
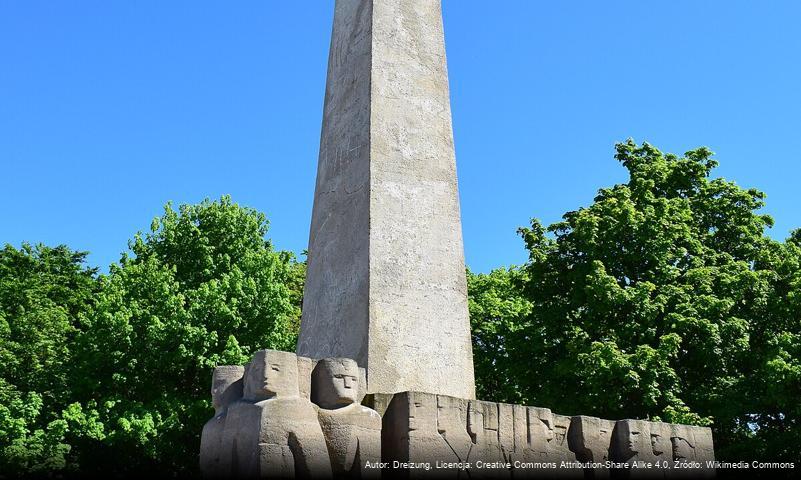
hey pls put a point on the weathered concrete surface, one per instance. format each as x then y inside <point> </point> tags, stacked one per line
<point>269,428</point>
<point>226,388</point>
<point>590,438</point>
<point>411,433</point>
<point>272,432</point>
<point>386,283</point>
<point>335,305</point>
<point>352,431</point>
<point>306,366</point>
<point>529,442</point>
<point>692,444</point>
<point>652,442</point>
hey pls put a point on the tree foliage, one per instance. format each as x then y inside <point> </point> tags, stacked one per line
<point>663,299</point>
<point>43,290</point>
<point>201,289</point>
<point>111,373</point>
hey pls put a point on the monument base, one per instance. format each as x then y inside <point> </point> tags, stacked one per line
<point>288,416</point>
<point>436,436</point>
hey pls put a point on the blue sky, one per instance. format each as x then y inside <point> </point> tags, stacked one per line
<point>110,109</point>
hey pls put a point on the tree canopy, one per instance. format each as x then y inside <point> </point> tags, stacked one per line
<point>664,299</point>
<point>43,290</point>
<point>134,349</point>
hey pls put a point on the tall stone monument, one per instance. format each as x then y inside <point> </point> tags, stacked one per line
<point>386,279</point>
<point>385,304</point>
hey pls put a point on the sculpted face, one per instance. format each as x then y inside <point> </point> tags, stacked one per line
<point>335,383</point>
<point>422,412</point>
<point>660,441</point>
<point>541,428</point>
<point>632,436</point>
<point>682,443</point>
<point>226,386</point>
<point>271,374</point>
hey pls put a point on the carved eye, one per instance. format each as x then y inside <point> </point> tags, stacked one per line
<point>277,368</point>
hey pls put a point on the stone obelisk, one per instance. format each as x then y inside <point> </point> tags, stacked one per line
<point>386,279</point>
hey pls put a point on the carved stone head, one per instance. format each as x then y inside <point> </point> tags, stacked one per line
<point>683,442</point>
<point>422,414</point>
<point>271,374</point>
<point>541,426</point>
<point>660,440</point>
<point>590,438</point>
<point>226,386</point>
<point>632,438</point>
<point>335,383</point>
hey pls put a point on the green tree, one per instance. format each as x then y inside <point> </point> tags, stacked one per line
<point>498,312</point>
<point>43,291</point>
<point>202,288</point>
<point>663,299</point>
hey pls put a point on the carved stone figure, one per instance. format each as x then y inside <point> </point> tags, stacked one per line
<point>226,388</point>
<point>483,425</point>
<point>352,431</point>
<point>661,446</point>
<point>692,444</point>
<point>452,414</point>
<point>272,431</point>
<point>306,367</point>
<point>590,438</point>
<point>631,443</point>
<point>549,441</point>
<point>422,427</point>
<point>683,442</point>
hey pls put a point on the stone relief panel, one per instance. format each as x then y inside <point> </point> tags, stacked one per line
<point>226,388</point>
<point>287,416</point>
<point>352,431</point>
<point>272,431</point>
<point>513,441</point>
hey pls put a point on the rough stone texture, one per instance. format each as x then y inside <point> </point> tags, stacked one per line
<point>631,443</point>
<point>411,433</point>
<point>352,431</point>
<point>305,368</point>
<point>226,388</point>
<point>272,431</point>
<point>692,444</point>
<point>386,283</point>
<point>661,446</point>
<point>549,441</point>
<point>420,427</point>
<point>651,442</point>
<point>335,383</point>
<point>549,434</point>
<point>704,449</point>
<point>590,438</point>
<point>378,401</point>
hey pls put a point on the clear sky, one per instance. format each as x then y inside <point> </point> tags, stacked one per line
<point>108,109</point>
